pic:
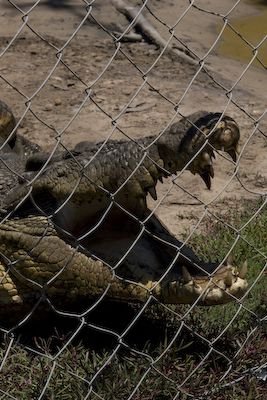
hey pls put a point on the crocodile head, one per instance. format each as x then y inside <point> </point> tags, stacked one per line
<point>191,143</point>
<point>224,285</point>
<point>223,134</point>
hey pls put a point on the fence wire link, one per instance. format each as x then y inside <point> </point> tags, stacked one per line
<point>122,48</point>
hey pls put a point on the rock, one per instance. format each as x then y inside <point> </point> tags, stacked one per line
<point>57,101</point>
<point>48,107</point>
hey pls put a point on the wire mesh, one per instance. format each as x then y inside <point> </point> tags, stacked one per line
<point>119,75</point>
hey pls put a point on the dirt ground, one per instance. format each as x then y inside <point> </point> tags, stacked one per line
<point>76,90</point>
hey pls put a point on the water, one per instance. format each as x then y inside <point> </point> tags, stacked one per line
<point>253,29</point>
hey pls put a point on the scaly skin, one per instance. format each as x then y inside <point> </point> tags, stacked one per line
<point>125,171</point>
<point>42,263</point>
<point>38,254</point>
<point>57,258</point>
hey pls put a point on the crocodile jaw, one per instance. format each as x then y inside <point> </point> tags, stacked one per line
<point>222,287</point>
<point>226,137</point>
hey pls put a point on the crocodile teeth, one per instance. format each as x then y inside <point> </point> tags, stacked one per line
<point>211,171</point>
<point>228,280</point>
<point>186,275</point>
<point>244,269</point>
<point>152,191</point>
<point>233,154</point>
<point>206,178</point>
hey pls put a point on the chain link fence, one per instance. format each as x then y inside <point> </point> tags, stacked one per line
<point>107,72</point>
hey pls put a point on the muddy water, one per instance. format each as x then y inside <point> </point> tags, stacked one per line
<point>253,28</point>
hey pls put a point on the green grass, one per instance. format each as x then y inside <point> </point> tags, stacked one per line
<point>251,245</point>
<point>25,373</point>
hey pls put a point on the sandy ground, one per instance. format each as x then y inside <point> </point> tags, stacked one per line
<point>54,83</point>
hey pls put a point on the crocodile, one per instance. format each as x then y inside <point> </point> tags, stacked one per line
<point>77,228</point>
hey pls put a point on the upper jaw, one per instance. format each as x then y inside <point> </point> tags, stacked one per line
<point>226,137</point>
